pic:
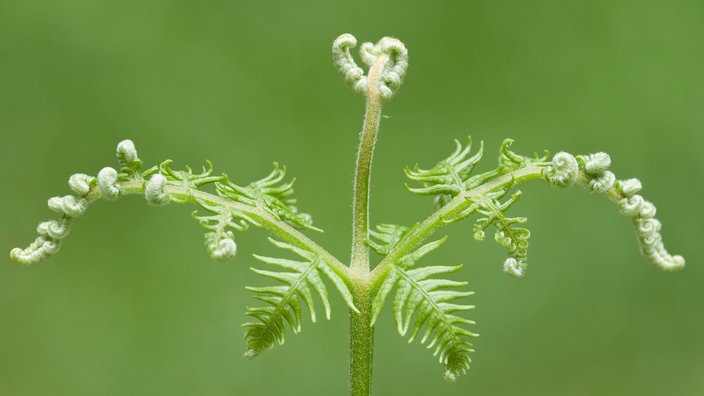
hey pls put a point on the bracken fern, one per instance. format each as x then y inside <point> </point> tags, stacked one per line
<point>425,303</point>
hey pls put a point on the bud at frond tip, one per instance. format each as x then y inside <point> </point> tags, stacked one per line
<point>391,51</point>
<point>154,190</point>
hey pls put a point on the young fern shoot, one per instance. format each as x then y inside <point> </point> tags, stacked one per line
<point>425,305</point>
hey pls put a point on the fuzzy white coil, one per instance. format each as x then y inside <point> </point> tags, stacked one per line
<point>564,170</point>
<point>154,190</point>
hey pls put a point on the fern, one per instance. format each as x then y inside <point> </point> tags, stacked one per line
<point>453,175</point>
<point>271,195</point>
<point>509,231</point>
<point>299,279</point>
<point>220,241</point>
<point>423,301</point>
<point>425,305</point>
<point>186,178</point>
<point>130,164</point>
<point>449,177</point>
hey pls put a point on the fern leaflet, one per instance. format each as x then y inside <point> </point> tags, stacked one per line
<point>509,233</point>
<point>299,279</point>
<point>422,301</point>
<point>271,195</point>
<point>385,237</point>
<point>453,175</point>
<point>449,177</point>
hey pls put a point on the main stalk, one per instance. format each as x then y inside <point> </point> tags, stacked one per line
<point>361,330</point>
<point>361,340</point>
<point>360,203</point>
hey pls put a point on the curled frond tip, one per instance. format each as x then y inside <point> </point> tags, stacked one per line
<point>387,61</point>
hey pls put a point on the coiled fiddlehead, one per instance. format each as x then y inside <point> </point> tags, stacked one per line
<point>392,54</point>
<point>86,190</point>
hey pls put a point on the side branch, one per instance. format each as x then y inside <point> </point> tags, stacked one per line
<point>171,193</point>
<point>263,218</point>
<point>587,171</point>
<point>434,222</point>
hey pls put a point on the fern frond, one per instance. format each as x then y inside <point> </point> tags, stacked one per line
<point>452,176</point>
<point>270,194</point>
<point>508,160</point>
<point>422,301</point>
<point>509,230</point>
<point>219,240</point>
<point>449,177</point>
<point>130,164</point>
<point>426,302</point>
<point>186,178</point>
<point>298,281</point>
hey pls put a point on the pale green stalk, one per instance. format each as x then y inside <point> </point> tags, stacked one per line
<point>361,329</point>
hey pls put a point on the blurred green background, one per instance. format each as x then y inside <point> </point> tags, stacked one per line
<point>133,305</point>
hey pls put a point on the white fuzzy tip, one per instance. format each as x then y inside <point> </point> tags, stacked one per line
<point>391,51</point>
<point>40,249</point>
<point>221,248</point>
<point>345,64</point>
<point>602,183</point>
<point>564,170</point>
<point>596,164</point>
<point>81,183</point>
<point>630,207</point>
<point>154,191</point>
<point>630,187</point>
<point>515,268</point>
<point>127,155</point>
<point>652,247</point>
<point>68,205</point>
<point>107,183</point>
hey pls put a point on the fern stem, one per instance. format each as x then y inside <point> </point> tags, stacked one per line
<point>360,202</point>
<point>266,220</point>
<point>435,221</point>
<point>361,339</point>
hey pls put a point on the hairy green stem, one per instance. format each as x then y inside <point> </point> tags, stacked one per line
<point>361,329</point>
<point>361,339</point>
<point>360,203</point>
<point>365,154</point>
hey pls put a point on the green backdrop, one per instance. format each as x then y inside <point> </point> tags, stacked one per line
<point>133,305</point>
